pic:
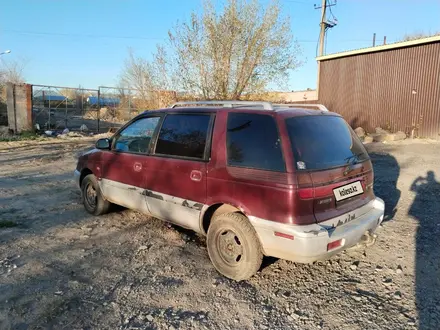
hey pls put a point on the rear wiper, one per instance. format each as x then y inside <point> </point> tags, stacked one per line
<point>355,158</point>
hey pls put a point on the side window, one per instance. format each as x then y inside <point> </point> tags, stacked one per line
<point>136,137</point>
<point>183,135</point>
<point>253,142</point>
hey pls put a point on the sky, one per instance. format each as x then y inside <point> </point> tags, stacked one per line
<point>80,42</point>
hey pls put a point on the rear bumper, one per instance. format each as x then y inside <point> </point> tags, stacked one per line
<point>76,177</point>
<point>308,243</point>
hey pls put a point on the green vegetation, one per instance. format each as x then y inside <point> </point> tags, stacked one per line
<point>24,136</point>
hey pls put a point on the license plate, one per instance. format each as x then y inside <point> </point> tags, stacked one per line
<point>347,191</point>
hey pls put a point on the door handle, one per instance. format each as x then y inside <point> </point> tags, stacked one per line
<point>196,176</point>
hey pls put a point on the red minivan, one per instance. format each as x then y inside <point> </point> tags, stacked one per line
<point>255,178</point>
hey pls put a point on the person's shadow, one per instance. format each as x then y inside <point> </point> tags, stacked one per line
<point>426,209</point>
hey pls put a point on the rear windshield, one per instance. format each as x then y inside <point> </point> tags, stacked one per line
<point>321,142</point>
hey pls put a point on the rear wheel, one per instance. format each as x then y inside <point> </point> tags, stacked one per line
<point>91,196</point>
<point>233,246</point>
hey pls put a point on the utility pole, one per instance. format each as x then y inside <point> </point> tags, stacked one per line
<point>323,28</point>
<point>325,24</point>
<point>374,39</point>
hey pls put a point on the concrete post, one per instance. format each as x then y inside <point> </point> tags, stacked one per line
<point>19,104</point>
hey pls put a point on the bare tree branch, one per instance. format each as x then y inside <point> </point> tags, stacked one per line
<point>221,55</point>
<point>12,71</point>
<point>418,35</point>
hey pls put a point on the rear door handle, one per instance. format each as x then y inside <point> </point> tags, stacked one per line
<point>196,176</point>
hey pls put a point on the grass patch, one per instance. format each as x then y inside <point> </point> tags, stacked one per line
<point>7,224</point>
<point>24,136</point>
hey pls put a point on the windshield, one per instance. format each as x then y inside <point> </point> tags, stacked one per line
<point>321,142</point>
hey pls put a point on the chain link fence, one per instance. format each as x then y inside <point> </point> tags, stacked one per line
<point>119,104</point>
<point>122,104</point>
<point>95,110</point>
<point>56,107</point>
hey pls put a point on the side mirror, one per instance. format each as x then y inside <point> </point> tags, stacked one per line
<point>103,144</point>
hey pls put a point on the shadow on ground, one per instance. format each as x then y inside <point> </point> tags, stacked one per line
<point>425,209</point>
<point>427,190</point>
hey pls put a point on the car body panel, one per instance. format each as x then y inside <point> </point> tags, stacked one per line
<point>309,243</point>
<point>326,206</point>
<point>123,179</point>
<point>176,190</point>
<point>130,196</point>
<point>261,193</point>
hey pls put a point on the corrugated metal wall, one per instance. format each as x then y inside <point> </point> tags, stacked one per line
<point>396,89</point>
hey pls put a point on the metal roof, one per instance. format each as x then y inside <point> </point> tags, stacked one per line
<point>103,100</point>
<point>50,97</point>
<point>395,45</point>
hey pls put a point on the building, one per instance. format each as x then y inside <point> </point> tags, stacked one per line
<point>395,86</point>
<point>297,96</point>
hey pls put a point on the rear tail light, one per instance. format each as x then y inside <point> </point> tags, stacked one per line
<point>334,245</point>
<point>306,193</point>
<point>315,192</point>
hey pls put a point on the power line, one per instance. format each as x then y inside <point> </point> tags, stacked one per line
<point>81,35</point>
<point>56,34</point>
<point>333,16</point>
<point>301,2</point>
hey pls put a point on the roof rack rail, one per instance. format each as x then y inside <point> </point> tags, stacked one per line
<point>226,104</point>
<point>298,105</point>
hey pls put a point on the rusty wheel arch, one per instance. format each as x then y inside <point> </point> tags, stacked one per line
<point>214,210</point>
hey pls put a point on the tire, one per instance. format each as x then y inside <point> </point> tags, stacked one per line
<point>234,247</point>
<point>89,185</point>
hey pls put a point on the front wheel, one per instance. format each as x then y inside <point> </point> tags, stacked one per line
<point>234,247</point>
<point>91,196</point>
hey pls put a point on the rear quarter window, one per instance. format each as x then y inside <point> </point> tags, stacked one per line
<point>253,142</point>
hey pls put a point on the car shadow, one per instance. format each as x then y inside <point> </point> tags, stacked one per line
<point>386,174</point>
<point>188,235</point>
<point>427,190</point>
<point>267,262</point>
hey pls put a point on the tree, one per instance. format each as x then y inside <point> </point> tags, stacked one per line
<point>221,55</point>
<point>240,50</point>
<point>149,80</point>
<point>9,72</point>
<point>70,93</point>
<point>12,72</point>
<point>137,74</point>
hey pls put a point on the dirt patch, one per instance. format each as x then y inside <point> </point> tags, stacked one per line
<point>62,268</point>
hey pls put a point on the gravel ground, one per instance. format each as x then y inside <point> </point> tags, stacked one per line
<point>61,268</point>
